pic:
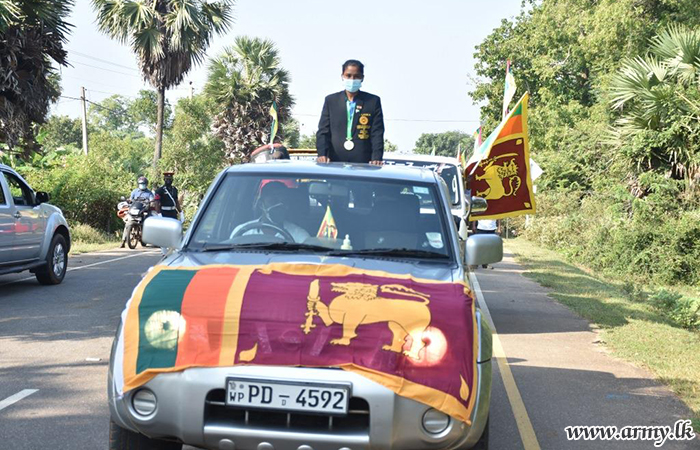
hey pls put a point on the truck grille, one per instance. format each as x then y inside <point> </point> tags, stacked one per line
<point>216,412</point>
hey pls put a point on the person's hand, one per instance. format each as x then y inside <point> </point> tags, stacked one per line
<point>377,163</point>
<point>323,159</point>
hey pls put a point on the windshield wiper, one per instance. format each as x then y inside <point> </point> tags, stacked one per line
<point>397,252</point>
<point>287,246</point>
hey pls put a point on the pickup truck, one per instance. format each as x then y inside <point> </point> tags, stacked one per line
<point>34,235</point>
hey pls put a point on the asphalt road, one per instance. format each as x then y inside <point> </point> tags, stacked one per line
<point>55,343</point>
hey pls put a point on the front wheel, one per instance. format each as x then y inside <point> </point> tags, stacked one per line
<point>134,235</point>
<point>56,262</point>
<point>121,439</point>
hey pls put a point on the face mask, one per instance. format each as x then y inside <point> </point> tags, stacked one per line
<point>142,187</point>
<point>352,85</point>
<point>168,182</point>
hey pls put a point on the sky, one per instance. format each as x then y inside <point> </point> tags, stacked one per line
<point>418,57</point>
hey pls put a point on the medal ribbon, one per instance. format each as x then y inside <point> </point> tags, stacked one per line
<point>351,116</point>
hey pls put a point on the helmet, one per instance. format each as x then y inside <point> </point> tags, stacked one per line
<point>142,181</point>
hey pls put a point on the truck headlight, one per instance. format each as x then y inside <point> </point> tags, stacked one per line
<point>144,402</point>
<point>435,422</point>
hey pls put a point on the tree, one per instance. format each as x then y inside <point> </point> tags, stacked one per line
<point>443,144</point>
<point>60,131</point>
<point>308,141</point>
<point>243,82</point>
<point>32,35</point>
<point>659,103</point>
<point>168,37</point>
<point>112,114</point>
<point>144,110</point>
<point>389,147</point>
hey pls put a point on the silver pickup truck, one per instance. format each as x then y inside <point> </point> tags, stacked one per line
<point>34,235</point>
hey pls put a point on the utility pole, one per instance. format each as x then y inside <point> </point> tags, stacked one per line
<point>191,90</point>
<point>85,136</point>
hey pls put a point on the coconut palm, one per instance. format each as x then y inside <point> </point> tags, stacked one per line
<point>658,98</point>
<point>32,34</point>
<point>169,37</point>
<point>243,82</point>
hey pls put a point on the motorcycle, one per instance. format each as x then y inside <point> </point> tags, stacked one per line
<point>133,213</point>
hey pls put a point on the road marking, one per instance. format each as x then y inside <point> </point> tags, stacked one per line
<point>527,432</point>
<point>11,400</point>
<point>70,269</point>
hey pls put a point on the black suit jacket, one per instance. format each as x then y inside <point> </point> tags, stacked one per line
<point>367,129</point>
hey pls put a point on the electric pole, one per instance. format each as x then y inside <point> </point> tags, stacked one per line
<point>85,136</point>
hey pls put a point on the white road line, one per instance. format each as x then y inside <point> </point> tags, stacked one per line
<point>11,400</point>
<point>522,420</point>
<point>70,269</point>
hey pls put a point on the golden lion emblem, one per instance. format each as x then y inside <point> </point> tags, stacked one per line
<point>360,304</point>
<point>495,174</point>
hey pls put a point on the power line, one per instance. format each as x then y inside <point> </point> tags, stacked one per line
<point>107,70</point>
<point>102,60</point>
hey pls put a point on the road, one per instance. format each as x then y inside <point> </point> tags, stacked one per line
<point>55,343</point>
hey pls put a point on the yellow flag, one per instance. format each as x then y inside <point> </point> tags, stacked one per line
<point>328,228</point>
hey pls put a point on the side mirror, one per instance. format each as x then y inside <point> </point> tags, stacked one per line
<point>484,249</point>
<point>122,199</point>
<point>478,205</point>
<point>42,197</point>
<point>162,232</point>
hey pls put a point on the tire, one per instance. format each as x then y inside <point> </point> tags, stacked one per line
<point>483,443</point>
<point>56,262</point>
<point>133,235</point>
<point>121,439</point>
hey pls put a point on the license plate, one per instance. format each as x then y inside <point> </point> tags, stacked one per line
<point>287,396</point>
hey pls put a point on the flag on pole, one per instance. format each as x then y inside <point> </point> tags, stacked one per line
<point>508,90</point>
<point>500,168</point>
<point>328,228</point>
<point>275,123</point>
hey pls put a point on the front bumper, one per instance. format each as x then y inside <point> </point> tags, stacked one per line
<point>190,409</point>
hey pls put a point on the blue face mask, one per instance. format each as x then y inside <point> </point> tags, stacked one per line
<point>352,85</point>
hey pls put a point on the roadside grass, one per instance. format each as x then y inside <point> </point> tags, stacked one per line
<point>630,326</point>
<point>88,239</point>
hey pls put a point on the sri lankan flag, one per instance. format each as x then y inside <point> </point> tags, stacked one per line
<point>500,168</point>
<point>328,228</point>
<point>414,336</point>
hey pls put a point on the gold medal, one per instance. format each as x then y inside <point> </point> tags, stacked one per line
<point>349,145</point>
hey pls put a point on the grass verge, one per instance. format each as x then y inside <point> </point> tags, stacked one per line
<point>88,239</point>
<point>631,327</point>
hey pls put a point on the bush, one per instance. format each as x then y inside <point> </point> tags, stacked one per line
<point>86,234</point>
<point>686,313</point>
<point>87,189</point>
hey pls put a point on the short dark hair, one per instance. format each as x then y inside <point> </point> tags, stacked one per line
<point>354,62</point>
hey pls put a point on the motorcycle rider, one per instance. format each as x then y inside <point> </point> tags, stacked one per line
<point>143,194</point>
<point>166,196</point>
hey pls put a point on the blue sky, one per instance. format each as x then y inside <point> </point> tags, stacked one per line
<point>417,56</point>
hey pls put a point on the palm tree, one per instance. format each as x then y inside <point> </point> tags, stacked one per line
<point>169,37</point>
<point>243,82</point>
<point>32,34</point>
<point>658,98</point>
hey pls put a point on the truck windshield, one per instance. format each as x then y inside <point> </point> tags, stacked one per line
<point>338,214</point>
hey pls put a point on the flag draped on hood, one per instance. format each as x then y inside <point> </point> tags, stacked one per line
<point>414,336</point>
<point>500,168</point>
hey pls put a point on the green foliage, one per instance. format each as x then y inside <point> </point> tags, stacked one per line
<point>243,82</point>
<point>443,144</point>
<point>192,151</point>
<point>122,115</point>
<point>389,146</point>
<point>85,234</point>
<point>60,131</point>
<point>130,154</point>
<point>143,110</point>
<point>682,310</point>
<point>307,141</point>
<point>32,38</point>
<point>87,189</point>
<point>168,38</point>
